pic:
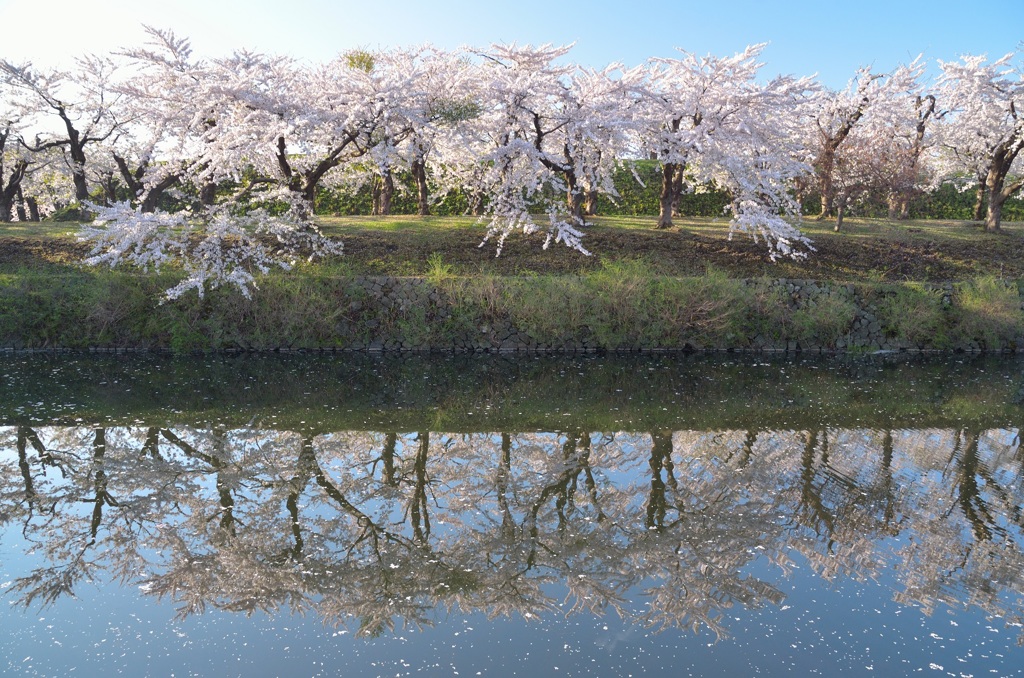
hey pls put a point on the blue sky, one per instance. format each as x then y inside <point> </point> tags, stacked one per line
<point>829,38</point>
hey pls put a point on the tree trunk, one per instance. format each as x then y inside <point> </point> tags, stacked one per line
<point>574,197</point>
<point>419,173</point>
<point>904,210</point>
<point>994,215</point>
<point>661,458</point>
<point>668,171</point>
<point>208,193</point>
<point>33,209</point>
<point>979,202</point>
<point>109,188</point>
<point>995,183</point>
<point>388,457</point>
<point>387,193</point>
<point>375,190</point>
<point>677,190</point>
<point>839,217</point>
<point>152,199</point>
<point>11,193</point>
<point>898,206</point>
<point>590,204</point>
<point>81,185</point>
<point>20,205</point>
<point>827,190</point>
<point>996,196</point>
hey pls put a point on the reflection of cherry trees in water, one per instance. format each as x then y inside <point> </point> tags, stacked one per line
<point>375,529</point>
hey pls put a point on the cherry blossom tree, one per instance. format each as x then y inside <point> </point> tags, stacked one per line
<point>13,167</point>
<point>172,112</point>
<point>428,97</point>
<point>212,122</point>
<point>542,137</point>
<point>903,126</point>
<point>444,103</point>
<point>83,101</point>
<point>526,111</point>
<point>882,159</point>
<point>986,126</point>
<point>835,116</point>
<point>711,123</point>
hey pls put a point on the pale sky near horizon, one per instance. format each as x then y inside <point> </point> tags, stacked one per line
<point>828,38</point>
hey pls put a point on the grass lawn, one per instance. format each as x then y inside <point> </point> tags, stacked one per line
<point>867,250</point>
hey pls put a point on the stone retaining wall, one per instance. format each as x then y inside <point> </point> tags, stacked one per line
<point>388,314</point>
<point>403,295</point>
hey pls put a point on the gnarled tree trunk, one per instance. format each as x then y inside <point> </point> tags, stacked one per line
<point>979,202</point>
<point>668,195</point>
<point>419,173</point>
<point>995,183</point>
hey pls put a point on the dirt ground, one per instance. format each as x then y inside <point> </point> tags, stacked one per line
<point>868,250</point>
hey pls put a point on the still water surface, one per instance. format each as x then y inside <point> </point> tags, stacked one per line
<point>307,515</point>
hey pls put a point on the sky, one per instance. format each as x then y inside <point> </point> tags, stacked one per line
<point>823,37</point>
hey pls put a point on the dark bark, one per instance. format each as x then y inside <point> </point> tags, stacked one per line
<point>979,201</point>
<point>567,170</point>
<point>76,149</point>
<point>388,457</point>
<point>898,204</point>
<point>812,504</point>
<point>99,474</point>
<point>590,204</point>
<point>26,436</point>
<point>109,187</point>
<point>375,189</point>
<point>151,447</point>
<point>969,495</point>
<point>152,197</point>
<point>20,206</point>
<point>903,185</point>
<point>133,179</point>
<point>208,193</point>
<point>9,192</point>
<point>387,191</point>
<point>419,173</point>
<point>573,196</point>
<point>667,197</point>
<point>677,191</point>
<point>501,482</point>
<point>995,182</point>
<point>304,184</point>
<point>33,208</point>
<point>825,163</point>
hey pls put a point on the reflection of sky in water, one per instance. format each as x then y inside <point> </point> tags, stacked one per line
<point>819,628</point>
<point>839,549</point>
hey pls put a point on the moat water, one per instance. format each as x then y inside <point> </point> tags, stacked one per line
<point>484,515</point>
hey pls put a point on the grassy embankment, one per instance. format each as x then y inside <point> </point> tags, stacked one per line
<point>641,288</point>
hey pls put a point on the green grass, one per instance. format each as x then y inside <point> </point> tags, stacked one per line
<point>49,229</point>
<point>870,250</point>
<point>641,288</point>
<point>914,312</point>
<point>988,311</point>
